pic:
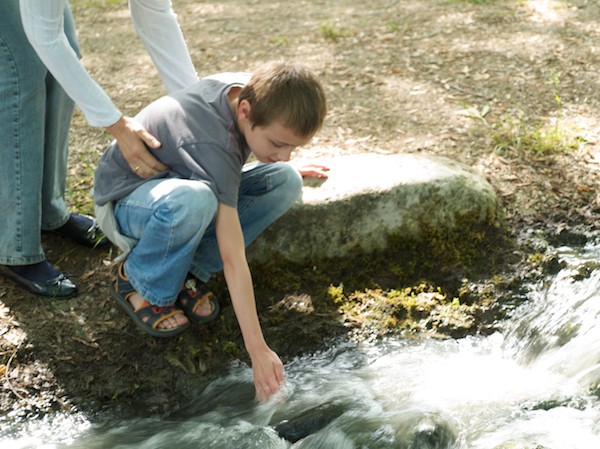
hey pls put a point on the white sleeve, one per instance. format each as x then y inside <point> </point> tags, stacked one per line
<point>43,22</point>
<point>157,27</point>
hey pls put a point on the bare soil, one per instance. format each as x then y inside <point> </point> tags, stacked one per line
<point>469,81</point>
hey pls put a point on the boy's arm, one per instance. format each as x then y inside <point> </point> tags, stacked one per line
<point>266,365</point>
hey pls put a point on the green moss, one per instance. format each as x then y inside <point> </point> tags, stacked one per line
<point>379,312</point>
<point>398,289</point>
<point>231,348</point>
<point>336,293</point>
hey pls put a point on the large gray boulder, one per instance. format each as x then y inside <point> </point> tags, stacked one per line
<point>369,198</point>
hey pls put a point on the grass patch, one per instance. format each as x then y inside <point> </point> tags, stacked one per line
<point>333,32</point>
<point>279,40</point>
<point>517,133</point>
<point>78,188</point>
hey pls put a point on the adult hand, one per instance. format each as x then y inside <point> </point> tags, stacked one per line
<point>268,373</point>
<point>313,171</point>
<point>132,139</point>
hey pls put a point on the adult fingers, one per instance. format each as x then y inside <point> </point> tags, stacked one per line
<point>133,140</point>
<point>146,165</point>
<point>148,138</point>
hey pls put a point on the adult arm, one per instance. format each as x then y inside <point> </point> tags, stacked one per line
<point>157,26</point>
<point>266,365</point>
<point>43,22</point>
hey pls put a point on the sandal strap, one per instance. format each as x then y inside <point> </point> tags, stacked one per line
<point>196,293</point>
<point>193,294</point>
<point>147,317</point>
<point>156,314</point>
<point>122,284</point>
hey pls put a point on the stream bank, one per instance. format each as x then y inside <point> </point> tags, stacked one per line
<point>462,80</point>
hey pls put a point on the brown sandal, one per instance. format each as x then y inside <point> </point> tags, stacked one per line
<point>147,317</point>
<point>193,294</point>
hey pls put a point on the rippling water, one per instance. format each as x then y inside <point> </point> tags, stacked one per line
<point>532,385</point>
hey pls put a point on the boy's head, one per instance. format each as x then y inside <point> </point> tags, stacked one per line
<point>284,98</point>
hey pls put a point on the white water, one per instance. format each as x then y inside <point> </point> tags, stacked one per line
<point>529,386</point>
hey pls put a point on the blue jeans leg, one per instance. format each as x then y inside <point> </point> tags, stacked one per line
<point>168,217</point>
<point>59,112</point>
<point>267,191</point>
<point>35,116</point>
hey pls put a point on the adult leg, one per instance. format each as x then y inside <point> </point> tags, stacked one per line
<point>267,191</point>
<point>59,112</point>
<point>22,120</point>
<point>22,116</point>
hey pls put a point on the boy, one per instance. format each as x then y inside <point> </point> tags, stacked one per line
<point>185,224</point>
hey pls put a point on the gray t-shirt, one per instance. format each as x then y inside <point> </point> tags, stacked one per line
<point>200,140</point>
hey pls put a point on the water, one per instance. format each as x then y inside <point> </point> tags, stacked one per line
<point>531,385</point>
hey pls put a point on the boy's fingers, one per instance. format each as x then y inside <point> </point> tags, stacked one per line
<point>266,390</point>
<point>261,394</point>
<point>314,171</point>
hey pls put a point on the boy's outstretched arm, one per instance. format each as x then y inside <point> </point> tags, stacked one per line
<point>266,365</point>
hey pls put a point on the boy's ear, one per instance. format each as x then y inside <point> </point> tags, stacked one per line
<point>244,108</point>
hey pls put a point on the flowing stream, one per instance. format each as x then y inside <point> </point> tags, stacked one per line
<point>532,385</point>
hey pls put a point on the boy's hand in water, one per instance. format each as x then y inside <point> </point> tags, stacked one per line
<point>268,373</point>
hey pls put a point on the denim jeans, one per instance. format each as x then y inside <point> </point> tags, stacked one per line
<point>35,115</point>
<point>173,222</point>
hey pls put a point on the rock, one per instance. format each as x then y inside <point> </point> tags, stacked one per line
<point>423,430</point>
<point>369,198</point>
<point>309,421</point>
<point>429,434</point>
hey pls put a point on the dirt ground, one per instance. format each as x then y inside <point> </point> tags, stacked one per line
<point>487,83</point>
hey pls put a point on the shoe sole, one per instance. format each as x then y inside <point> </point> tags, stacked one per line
<point>26,285</point>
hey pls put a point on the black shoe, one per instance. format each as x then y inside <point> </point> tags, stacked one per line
<point>57,286</point>
<point>83,230</point>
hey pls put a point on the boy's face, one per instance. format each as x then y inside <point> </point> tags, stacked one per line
<point>271,143</point>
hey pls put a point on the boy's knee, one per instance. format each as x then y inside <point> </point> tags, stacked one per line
<point>193,200</point>
<point>294,180</point>
<point>291,179</point>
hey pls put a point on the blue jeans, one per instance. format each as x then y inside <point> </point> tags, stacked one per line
<point>173,222</point>
<point>35,115</point>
